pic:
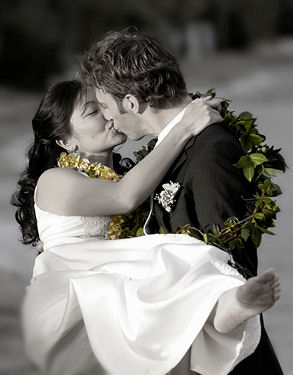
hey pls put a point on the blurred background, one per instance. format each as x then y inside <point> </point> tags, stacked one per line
<point>242,48</point>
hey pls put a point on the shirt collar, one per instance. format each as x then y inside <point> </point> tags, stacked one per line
<point>170,126</point>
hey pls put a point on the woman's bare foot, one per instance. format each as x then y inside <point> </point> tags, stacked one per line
<point>257,295</point>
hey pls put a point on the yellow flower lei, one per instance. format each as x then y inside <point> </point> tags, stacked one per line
<point>96,170</point>
<point>93,170</point>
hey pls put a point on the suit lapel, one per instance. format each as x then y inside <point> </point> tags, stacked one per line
<point>157,209</point>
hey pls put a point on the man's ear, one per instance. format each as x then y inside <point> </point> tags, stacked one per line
<point>130,103</point>
<point>67,145</point>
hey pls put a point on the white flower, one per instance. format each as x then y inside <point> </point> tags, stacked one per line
<point>166,196</point>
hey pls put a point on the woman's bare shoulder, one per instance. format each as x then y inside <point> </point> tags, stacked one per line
<point>61,191</point>
<point>51,187</point>
<point>53,175</point>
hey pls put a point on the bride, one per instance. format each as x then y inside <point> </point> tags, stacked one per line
<point>123,307</point>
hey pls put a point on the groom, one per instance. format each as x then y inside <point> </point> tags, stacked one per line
<point>139,85</point>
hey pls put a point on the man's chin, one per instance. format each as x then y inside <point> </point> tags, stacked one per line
<point>135,138</point>
<point>123,139</point>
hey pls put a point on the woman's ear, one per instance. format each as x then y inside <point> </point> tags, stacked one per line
<point>130,103</point>
<point>67,145</point>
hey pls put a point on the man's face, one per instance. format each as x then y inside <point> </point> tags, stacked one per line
<point>125,121</point>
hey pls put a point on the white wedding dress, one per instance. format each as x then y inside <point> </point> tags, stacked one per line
<point>127,307</point>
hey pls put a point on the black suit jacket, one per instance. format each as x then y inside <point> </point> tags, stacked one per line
<point>212,188</point>
<point>212,191</point>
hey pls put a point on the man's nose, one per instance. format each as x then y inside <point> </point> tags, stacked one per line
<point>107,115</point>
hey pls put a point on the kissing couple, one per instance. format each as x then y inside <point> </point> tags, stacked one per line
<point>156,304</point>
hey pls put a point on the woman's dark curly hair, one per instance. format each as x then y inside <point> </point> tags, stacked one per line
<point>50,123</point>
<point>130,63</point>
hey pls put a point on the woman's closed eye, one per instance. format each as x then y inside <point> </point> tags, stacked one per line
<point>90,109</point>
<point>92,113</point>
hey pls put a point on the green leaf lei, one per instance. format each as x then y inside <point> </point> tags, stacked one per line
<point>260,163</point>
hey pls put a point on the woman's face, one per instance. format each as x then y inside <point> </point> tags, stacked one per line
<point>91,133</point>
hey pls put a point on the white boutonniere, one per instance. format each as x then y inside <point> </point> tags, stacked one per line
<point>166,198</point>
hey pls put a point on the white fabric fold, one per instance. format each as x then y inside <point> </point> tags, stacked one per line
<point>132,306</point>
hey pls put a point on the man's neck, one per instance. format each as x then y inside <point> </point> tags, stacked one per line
<point>105,158</point>
<point>158,119</point>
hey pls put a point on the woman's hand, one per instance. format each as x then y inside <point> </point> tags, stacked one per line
<point>199,114</point>
<point>40,246</point>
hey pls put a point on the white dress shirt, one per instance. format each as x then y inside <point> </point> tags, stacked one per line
<point>170,126</point>
<point>161,136</point>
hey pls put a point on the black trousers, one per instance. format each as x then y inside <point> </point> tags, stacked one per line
<point>262,362</point>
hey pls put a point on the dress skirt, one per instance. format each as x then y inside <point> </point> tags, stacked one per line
<point>132,307</point>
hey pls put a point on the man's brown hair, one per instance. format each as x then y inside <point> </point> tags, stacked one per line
<point>130,63</point>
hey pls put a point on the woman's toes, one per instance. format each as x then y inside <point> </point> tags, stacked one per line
<point>276,284</point>
<point>277,290</point>
<point>267,276</point>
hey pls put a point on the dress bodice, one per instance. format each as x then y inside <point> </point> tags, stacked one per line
<point>57,229</point>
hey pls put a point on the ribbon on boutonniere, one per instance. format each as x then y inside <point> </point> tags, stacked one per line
<point>166,198</point>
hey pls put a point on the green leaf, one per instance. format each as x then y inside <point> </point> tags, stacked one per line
<point>246,163</point>
<point>264,230</point>
<point>256,236</point>
<point>271,172</point>
<point>276,190</point>
<point>268,201</point>
<point>256,139</point>
<point>245,232</point>
<point>245,116</point>
<point>235,243</point>
<point>258,159</point>
<point>246,143</point>
<point>259,216</point>
<point>232,244</point>
<point>151,144</point>
<point>243,162</point>
<point>139,232</point>
<point>205,237</point>
<point>248,172</point>
<point>216,229</point>
<point>267,211</point>
<point>211,92</point>
<point>162,231</point>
